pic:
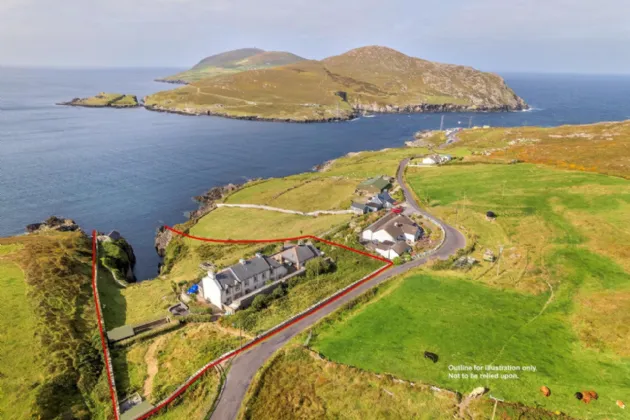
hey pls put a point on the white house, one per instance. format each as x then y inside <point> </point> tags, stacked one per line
<point>392,250</point>
<point>393,228</point>
<point>436,159</point>
<point>247,276</point>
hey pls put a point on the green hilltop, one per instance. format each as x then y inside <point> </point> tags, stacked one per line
<point>368,79</point>
<point>231,62</point>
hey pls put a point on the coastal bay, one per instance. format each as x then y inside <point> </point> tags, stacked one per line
<point>135,171</point>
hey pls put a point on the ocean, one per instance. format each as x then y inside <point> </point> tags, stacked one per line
<point>133,170</point>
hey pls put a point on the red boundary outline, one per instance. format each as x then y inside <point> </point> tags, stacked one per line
<point>249,345</point>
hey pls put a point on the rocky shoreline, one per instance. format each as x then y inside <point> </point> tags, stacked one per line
<point>173,82</point>
<point>358,108</point>
<point>196,113</point>
<point>206,205</point>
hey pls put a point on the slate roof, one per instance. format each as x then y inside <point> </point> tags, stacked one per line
<point>395,225</point>
<point>401,247</point>
<point>358,206</point>
<point>241,271</point>
<point>300,254</point>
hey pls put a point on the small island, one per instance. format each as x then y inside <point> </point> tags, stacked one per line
<point>105,100</point>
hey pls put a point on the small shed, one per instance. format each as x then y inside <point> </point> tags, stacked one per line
<point>375,185</point>
<point>120,333</point>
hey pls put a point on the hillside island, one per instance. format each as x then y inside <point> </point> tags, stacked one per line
<point>262,85</point>
<point>105,100</point>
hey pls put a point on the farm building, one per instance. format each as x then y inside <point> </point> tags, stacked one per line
<point>375,185</point>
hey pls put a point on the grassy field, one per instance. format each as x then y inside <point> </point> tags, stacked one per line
<point>238,223</point>
<point>50,362</point>
<point>563,232</point>
<point>601,148</point>
<point>472,324</point>
<point>19,370</point>
<point>156,367</point>
<point>302,193</point>
<point>298,384</point>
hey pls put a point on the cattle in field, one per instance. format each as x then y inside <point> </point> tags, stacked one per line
<point>586,396</point>
<point>546,391</point>
<point>620,404</point>
<point>592,394</point>
<point>431,356</point>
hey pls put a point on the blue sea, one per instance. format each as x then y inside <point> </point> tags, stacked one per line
<point>135,170</point>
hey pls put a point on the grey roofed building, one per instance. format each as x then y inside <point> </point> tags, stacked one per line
<point>245,269</point>
<point>299,254</point>
<point>401,247</point>
<point>383,199</point>
<point>114,235</point>
<point>358,208</point>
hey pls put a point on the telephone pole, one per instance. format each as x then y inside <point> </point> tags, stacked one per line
<point>442,123</point>
<point>469,122</point>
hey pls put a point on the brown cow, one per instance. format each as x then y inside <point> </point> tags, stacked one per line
<point>621,404</point>
<point>546,391</point>
<point>592,394</point>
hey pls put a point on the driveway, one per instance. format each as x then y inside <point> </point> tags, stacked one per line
<point>245,365</point>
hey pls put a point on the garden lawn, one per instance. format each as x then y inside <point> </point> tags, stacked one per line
<point>472,324</point>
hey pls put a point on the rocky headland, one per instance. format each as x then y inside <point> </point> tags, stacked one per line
<point>105,100</point>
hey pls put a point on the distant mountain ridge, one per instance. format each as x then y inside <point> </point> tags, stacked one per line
<point>366,79</point>
<point>234,61</point>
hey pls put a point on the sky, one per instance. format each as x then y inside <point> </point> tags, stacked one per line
<point>567,36</point>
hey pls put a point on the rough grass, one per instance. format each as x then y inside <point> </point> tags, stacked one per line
<point>108,99</point>
<point>50,360</point>
<point>301,193</point>
<point>20,371</point>
<point>196,402</point>
<point>238,223</point>
<point>467,323</point>
<point>538,208</point>
<point>298,384</point>
<point>602,147</point>
<point>178,355</point>
<point>306,91</point>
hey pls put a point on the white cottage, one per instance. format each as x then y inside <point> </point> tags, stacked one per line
<point>393,228</point>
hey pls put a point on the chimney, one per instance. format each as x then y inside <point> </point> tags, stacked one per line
<point>211,274</point>
<point>258,255</point>
<point>242,261</point>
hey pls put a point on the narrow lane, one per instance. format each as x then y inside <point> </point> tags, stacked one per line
<point>245,366</point>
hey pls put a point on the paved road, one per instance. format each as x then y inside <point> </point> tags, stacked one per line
<point>245,366</point>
